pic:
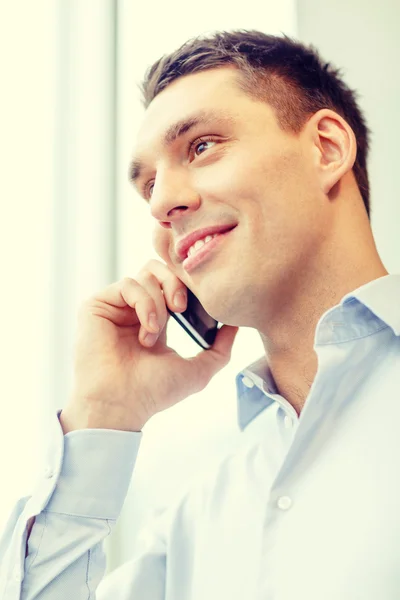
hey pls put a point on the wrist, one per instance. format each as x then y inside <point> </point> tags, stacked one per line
<point>87,416</point>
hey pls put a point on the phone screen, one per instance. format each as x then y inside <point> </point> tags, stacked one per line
<point>201,327</point>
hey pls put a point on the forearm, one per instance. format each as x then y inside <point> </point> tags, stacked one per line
<point>53,545</point>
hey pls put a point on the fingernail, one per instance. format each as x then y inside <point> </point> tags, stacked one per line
<point>150,338</point>
<point>180,299</point>
<point>153,322</point>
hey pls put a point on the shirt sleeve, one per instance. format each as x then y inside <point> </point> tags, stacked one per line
<point>77,502</point>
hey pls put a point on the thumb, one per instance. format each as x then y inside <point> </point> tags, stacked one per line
<point>209,362</point>
<point>222,347</point>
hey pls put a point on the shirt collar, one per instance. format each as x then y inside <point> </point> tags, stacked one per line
<point>252,385</point>
<point>382,297</point>
<point>362,312</point>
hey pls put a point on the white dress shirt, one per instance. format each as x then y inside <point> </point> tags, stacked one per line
<point>309,510</point>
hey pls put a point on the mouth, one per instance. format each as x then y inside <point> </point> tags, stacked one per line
<point>204,248</point>
<point>195,240</point>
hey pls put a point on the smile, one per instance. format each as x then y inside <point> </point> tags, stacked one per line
<point>204,249</point>
<point>200,243</point>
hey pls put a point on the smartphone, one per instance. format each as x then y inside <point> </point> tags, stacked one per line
<point>201,327</point>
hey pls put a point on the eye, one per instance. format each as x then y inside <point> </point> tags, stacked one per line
<point>148,189</point>
<point>194,146</point>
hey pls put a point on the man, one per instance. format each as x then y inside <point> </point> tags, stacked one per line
<point>253,138</point>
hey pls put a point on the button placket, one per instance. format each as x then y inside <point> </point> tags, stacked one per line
<point>284,502</point>
<point>48,472</point>
<point>287,421</point>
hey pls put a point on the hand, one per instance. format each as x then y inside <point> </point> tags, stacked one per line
<point>124,372</point>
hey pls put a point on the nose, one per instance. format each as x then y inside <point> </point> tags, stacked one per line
<point>172,197</point>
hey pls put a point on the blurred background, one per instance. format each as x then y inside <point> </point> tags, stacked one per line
<point>71,223</point>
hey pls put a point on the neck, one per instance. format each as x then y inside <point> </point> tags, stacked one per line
<point>346,262</point>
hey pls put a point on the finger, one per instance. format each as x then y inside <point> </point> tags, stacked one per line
<point>156,320</point>
<point>166,289</point>
<point>153,287</point>
<point>174,290</point>
<point>208,362</point>
<point>222,346</point>
<point>125,302</point>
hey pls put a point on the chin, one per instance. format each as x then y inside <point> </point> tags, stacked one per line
<point>238,308</point>
<point>223,312</point>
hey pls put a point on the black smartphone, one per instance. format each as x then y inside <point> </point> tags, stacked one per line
<point>201,327</point>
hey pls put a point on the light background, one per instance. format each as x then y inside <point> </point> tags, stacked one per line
<point>72,224</point>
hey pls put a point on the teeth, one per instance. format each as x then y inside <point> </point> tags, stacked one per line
<point>199,244</point>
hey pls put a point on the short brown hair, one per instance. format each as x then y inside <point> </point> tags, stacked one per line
<point>290,76</point>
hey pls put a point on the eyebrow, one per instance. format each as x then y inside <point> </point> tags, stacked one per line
<point>180,128</point>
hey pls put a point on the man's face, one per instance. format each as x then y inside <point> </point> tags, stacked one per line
<point>235,169</point>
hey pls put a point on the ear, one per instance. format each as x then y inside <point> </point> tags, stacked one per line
<point>334,146</point>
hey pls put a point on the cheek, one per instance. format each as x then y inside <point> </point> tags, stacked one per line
<point>283,182</point>
<point>251,173</point>
<point>161,242</point>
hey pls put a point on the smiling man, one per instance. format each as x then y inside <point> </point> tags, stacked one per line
<point>211,157</point>
<point>252,156</point>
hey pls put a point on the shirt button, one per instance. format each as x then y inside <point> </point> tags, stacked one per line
<point>287,422</point>
<point>248,382</point>
<point>48,472</point>
<point>284,502</point>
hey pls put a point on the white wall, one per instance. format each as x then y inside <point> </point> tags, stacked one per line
<point>179,442</point>
<point>27,118</point>
<point>363,38</point>
<point>83,251</point>
<point>57,226</point>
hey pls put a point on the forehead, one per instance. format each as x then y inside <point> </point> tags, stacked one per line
<point>211,91</point>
